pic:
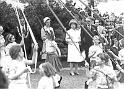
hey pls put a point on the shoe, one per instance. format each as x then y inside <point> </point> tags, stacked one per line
<point>60,80</point>
<point>72,74</point>
<point>76,73</point>
<point>86,86</point>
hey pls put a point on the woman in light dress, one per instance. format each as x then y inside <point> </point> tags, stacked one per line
<point>73,39</point>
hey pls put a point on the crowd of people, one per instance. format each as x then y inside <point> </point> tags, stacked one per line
<point>95,42</point>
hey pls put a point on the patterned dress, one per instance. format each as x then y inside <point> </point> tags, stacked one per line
<point>52,55</point>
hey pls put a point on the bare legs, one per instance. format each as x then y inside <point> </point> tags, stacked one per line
<point>75,65</point>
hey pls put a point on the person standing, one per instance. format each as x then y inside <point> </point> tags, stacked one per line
<point>46,29</point>
<point>74,55</point>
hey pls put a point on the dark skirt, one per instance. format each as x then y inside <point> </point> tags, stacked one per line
<point>121,75</point>
<point>54,60</point>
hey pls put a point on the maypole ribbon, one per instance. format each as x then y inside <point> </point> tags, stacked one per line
<point>16,11</point>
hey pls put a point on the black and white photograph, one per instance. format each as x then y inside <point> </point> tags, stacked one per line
<point>61,44</point>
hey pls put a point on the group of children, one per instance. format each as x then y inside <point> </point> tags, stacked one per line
<point>15,66</point>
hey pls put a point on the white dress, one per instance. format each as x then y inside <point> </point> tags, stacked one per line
<point>74,54</point>
<point>45,83</point>
<point>20,82</point>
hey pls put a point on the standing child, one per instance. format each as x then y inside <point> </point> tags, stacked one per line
<point>94,50</point>
<point>74,55</point>
<point>53,54</point>
<point>18,70</point>
<point>48,80</point>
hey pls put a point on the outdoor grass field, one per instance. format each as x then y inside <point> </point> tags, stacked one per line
<point>68,82</point>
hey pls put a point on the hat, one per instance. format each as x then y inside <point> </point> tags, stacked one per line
<point>45,19</point>
<point>73,21</point>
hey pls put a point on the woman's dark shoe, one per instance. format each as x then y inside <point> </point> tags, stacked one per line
<point>76,73</point>
<point>86,86</point>
<point>72,74</point>
<point>60,80</point>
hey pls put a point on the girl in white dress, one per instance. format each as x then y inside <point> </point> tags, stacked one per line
<point>74,55</point>
<point>48,81</point>
<point>17,71</point>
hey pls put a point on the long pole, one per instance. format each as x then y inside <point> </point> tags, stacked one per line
<point>99,16</point>
<point>47,2</point>
<point>75,19</point>
<point>29,28</point>
<point>16,10</point>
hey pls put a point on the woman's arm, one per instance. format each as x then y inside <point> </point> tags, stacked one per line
<point>13,75</point>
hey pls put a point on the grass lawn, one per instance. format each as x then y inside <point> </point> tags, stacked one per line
<point>68,82</point>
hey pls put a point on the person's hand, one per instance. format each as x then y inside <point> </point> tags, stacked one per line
<point>86,64</point>
<point>35,47</point>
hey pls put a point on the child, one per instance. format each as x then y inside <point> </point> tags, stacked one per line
<point>121,66</point>
<point>94,50</point>
<point>6,60</point>
<point>53,52</point>
<point>18,70</point>
<point>10,41</point>
<point>48,81</point>
<point>74,55</point>
<point>102,76</point>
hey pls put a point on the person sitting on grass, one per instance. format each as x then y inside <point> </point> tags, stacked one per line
<point>102,76</point>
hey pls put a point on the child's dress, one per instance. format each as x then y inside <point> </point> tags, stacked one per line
<point>52,55</point>
<point>95,49</point>
<point>20,82</point>
<point>46,83</point>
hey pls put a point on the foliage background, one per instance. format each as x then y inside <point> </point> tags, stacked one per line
<point>35,13</point>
